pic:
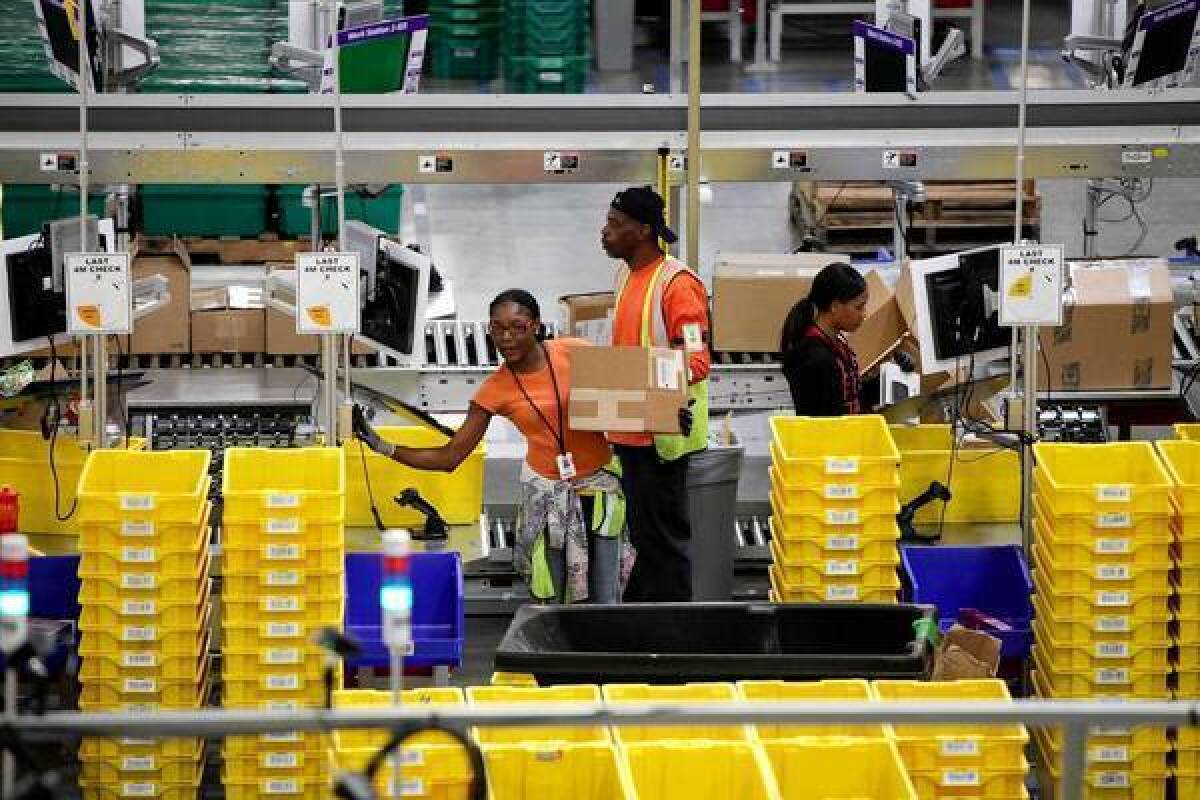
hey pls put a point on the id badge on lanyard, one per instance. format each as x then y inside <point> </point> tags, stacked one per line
<point>566,466</point>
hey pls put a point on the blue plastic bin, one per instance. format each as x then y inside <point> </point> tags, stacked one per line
<point>438,618</point>
<point>993,579</point>
<point>54,595</point>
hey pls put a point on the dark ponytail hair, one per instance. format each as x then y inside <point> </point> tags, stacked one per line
<point>838,282</point>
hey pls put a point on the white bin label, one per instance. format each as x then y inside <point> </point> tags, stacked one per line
<point>283,630</point>
<point>283,577</point>
<point>1113,546</point>
<point>412,787</point>
<point>1114,599</point>
<point>137,502</point>
<point>1113,677</point>
<point>281,655</point>
<point>289,736</point>
<point>283,552</point>
<point>1114,493</point>
<point>848,567</point>
<point>960,777</point>
<point>841,593</point>
<point>1112,624</point>
<point>283,525</point>
<point>848,516</point>
<point>137,528</point>
<point>1113,780</point>
<point>835,465</point>
<point>281,761</point>
<point>281,786</point>
<point>841,542</point>
<point>139,790</point>
<point>275,500</point>
<point>134,633</point>
<point>137,763</point>
<point>140,685</point>
<point>959,747</point>
<point>412,758</point>
<point>138,580</point>
<point>139,608</point>
<point>138,555</point>
<point>281,604</point>
<point>1112,650</point>
<point>139,660</point>
<point>1109,755</point>
<point>282,683</point>
<point>1114,519</point>
<point>841,491</point>
<point>1113,572</point>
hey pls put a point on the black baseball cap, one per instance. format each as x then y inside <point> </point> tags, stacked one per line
<point>644,205</point>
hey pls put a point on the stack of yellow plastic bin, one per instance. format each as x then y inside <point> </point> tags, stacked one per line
<point>283,568</point>
<point>834,484</point>
<point>1102,572</point>
<point>1182,460</point>
<point>144,620</point>
<point>976,761</point>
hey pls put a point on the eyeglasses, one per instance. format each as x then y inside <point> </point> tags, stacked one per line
<point>517,328</point>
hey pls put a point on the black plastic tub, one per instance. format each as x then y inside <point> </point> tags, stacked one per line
<point>680,642</point>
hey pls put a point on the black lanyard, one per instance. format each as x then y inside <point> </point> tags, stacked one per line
<point>559,435</point>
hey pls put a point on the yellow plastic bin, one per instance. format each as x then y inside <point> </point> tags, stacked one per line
<point>840,571</point>
<point>932,747</point>
<point>640,693</point>
<point>700,770</point>
<point>140,786</point>
<point>458,495</point>
<point>143,560</point>
<point>163,486</point>
<point>1101,653</point>
<point>843,592</point>
<point>1108,627</point>
<point>832,691</point>
<point>289,788</point>
<point>1102,577</point>
<point>1093,528</point>
<point>545,696</point>
<point>580,771</point>
<point>834,545</point>
<point>1182,461</point>
<point>1103,682</point>
<point>985,483</point>
<point>1101,758</point>
<point>1099,478</point>
<point>362,738</point>
<point>260,483</point>
<point>136,585</point>
<point>814,451</point>
<point>249,585</point>
<point>1188,431</point>
<point>143,639</point>
<point>100,748</point>
<point>839,769</point>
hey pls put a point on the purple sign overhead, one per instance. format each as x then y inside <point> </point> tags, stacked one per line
<point>888,39</point>
<point>1153,18</point>
<point>380,30</point>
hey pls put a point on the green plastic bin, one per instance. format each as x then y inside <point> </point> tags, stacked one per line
<point>295,219</point>
<point>547,74</point>
<point>203,210</point>
<point>25,207</point>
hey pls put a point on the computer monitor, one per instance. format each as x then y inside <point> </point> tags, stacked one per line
<point>1166,46</point>
<point>58,25</point>
<point>957,304</point>
<point>883,61</point>
<point>395,286</point>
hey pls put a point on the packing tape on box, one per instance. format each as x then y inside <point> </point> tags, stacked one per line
<point>617,410</point>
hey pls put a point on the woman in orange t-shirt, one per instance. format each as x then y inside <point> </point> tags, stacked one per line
<point>571,543</point>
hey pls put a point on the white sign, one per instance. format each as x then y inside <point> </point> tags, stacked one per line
<point>1031,281</point>
<point>99,293</point>
<point>327,298</point>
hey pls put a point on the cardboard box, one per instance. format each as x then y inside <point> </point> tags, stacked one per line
<point>167,330</point>
<point>883,330</point>
<point>627,389</point>
<point>965,654</point>
<point>228,320</point>
<point>282,339</point>
<point>1118,328</point>
<point>753,293</point>
<point>589,316</point>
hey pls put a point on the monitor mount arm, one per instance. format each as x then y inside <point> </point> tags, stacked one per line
<point>148,48</point>
<point>953,48</point>
<point>1109,71</point>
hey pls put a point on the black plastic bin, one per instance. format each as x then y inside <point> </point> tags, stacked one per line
<point>680,642</point>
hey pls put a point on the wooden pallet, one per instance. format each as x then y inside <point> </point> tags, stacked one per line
<point>146,361</point>
<point>264,249</point>
<point>942,198</point>
<point>923,242</point>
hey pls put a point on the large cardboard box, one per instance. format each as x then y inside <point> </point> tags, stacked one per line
<point>282,339</point>
<point>228,320</point>
<point>627,389</point>
<point>753,293</point>
<point>589,316</point>
<point>166,330</point>
<point>1118,328</point>
<point>883,330</point>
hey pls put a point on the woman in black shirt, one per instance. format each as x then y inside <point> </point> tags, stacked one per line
<point>818,362</point>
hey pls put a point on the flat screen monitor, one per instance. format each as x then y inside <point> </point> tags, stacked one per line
<point>1165,46</point>
<point>883,61</point>
<point>395,293</point>
<point>58,25</point>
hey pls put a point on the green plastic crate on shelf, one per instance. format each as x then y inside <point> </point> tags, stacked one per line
<point>383,212</point>
<point>25,207</point>
<point>463,58</point>
<point>465,15</point>
<point>203,210</point>
<point>547,74</point>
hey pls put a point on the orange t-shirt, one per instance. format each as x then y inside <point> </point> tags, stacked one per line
<point>685,302</point>
<point>500,394</point>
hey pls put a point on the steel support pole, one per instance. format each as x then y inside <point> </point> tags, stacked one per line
<point>1029,333</point>
<point>761,21</point>
<point>692,254</point>
<point>86,417</point>
<point>675,47</point>
<point>1074,761</point>
<point>9,763</point>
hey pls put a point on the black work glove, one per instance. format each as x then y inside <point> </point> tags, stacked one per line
<point>685,418</point>
<point>368,436</point>
<point>904,361</point>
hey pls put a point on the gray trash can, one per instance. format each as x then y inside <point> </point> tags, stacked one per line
<point>613,21</point>
<point>712,502</point>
